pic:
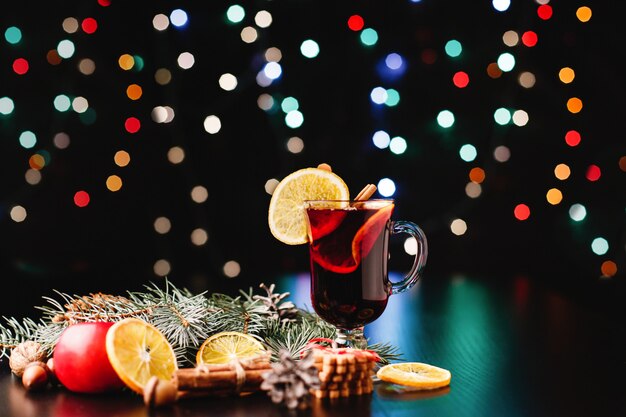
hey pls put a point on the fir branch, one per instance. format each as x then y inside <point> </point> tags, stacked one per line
<point>294,337</point>
<point>237,314</point>
<point>183,318</point>
<point>387,352</point>
<point>16,332</point>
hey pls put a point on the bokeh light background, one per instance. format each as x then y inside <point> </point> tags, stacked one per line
<point>142,140</point>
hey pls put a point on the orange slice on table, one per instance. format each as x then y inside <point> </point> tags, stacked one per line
<point>286,215</point>
<point>225,347</point>
<point>138,351</point>
<point>415,374</point>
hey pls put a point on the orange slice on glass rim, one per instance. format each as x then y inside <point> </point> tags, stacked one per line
<point>286,215</point>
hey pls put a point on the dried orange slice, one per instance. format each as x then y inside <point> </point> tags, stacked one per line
<point>225,347</point>
<point>415,374</point>
<point>138,351</point>
<point>286,215</point>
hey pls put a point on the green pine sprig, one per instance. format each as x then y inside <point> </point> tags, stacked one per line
<point>185,319</point>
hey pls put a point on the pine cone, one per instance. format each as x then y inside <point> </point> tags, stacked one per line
<point>277,309</point>
<point>291,380</point>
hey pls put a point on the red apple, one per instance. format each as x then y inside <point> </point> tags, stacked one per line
<point>80,359</point>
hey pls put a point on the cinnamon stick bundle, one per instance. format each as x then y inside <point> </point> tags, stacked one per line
<point>205,380</point>
<point>199,379</point>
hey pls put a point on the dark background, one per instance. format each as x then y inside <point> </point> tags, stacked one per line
<point>111,245</point>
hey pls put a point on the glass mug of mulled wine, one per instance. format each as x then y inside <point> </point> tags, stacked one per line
<point>349,252</point>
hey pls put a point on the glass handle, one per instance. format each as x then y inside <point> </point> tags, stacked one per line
<point>400,226</point>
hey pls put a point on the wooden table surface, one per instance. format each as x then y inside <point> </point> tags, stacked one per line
<point>514,348</point>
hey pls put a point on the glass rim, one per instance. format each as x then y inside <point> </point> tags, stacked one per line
<point>322,200</point>
<point>372,203</point>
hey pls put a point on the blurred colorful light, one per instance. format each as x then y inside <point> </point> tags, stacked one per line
<point>28,139</point>
<point>502,116</point>
<point>386,187</point>
<point>126,61</point>
<point>179,18</point>
<point>520,118</point>
<point>66,49</point>
<point>228,82</point>
<point>501,5</point>
<point>235,13</point>
<point>309,48</point>
<point>566,75</point>
<point>521,212</point>
<point>294,119</point>
<point>89,25</point>
<point>355,22</point>
<point>288,104</point>
<point>398,145</point>
<point>132,125</point>
<point>20,66</point>
<point>572,138</point>
<point>81,198</point>
<point>263,18</point>
<point>212,124</point>
<point>453,48</point>
<point>394,61</point>
<point>506,62</point>
<point>583,14</point>
<point>600,246</point>
<point>160,22</point>
<point>6,105</point>
<point>544,11</point>
<point>477,175</point>
<point>608,269</point>
<point>562,171</point>
<point>13,35</point>
<point>114,183</point>
<point>378,95</point>
<point>577,212</point>
<point>458,227</point>
<point>381,139</point>
<point>460,79</point>
<point>554,196</point>
<point>501,153</point>
<point>369,37</point>
<point>510,38</point>
<point>445,119</point>
<point>393,97</point>
<point>593,173</point>
<point>529,38</point>
<point>273,70</point>
<point>574,105</point>
<point>121,158</point>
<point>468,152</point>
<point>134,91</point>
